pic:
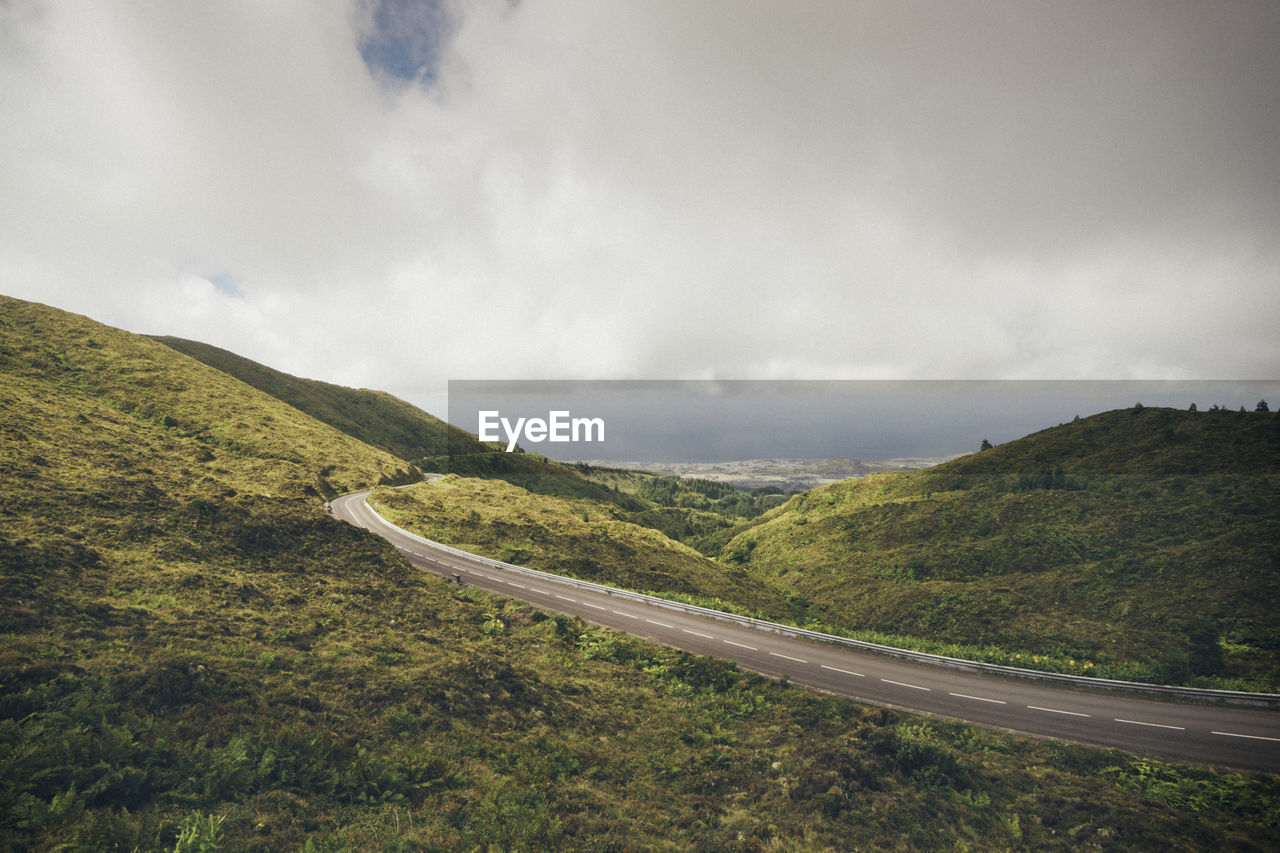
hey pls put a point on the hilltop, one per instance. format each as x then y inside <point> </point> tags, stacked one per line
<point>1133,538</point>
<point>193,655</point>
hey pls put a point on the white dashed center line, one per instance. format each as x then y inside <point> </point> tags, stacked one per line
<point>1152,725</point>
<point>628,615</point>
<point>1056,711</point>
<point>978,698</point>
<point>517,585</point>
<point>842,671</point>
<point>698,634</point>
<point>656,622</point>
<point>742,645</point>
<point>596,606</point>
<point>788,657</point>
<point>904,684</point>
<point>1250,737</point>
<point>565,598</point>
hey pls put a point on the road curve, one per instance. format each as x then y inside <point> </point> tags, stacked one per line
<point>1218,735</point>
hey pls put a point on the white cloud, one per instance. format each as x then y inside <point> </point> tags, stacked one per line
<point>657,190</point>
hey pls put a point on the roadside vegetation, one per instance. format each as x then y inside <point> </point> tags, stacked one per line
<point>194,656</point>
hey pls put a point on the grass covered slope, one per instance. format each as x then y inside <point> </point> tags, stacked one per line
<point>92,409</point>
<point>194,656</point>
<point>1128,539</point>
<point>374,417</point>
<point>579,537</point>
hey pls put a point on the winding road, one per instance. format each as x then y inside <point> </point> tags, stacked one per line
<point>1219,735</point>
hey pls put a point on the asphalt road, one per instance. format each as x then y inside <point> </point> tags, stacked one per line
<point>1220,735</point>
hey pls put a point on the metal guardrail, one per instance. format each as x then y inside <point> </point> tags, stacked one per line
<point>1239,697</point>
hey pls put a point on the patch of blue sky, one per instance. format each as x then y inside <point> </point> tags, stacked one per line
<point>226,284</point>
<point>404,39</point>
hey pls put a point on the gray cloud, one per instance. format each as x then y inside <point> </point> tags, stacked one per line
<point>620,190</point>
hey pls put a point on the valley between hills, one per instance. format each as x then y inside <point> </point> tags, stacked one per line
<point>195,656</point>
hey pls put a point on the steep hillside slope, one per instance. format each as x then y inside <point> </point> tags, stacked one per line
<point>1130,536</point>
<point>374,417</point>
<point>193,656</point>
<point>71,384</point>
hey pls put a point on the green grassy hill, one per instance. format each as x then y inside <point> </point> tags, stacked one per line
<point>1124,540</point>
<point>193,656</point>
<point>581,538</point>
<point>374,417</point>
<point>92,409</point>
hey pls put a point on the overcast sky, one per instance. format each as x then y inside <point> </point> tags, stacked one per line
<point>391,195</point>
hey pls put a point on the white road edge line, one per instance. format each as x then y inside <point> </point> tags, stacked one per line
<point>1056,711</point>
<point>978,698</point>
<point>698,634</point>
<point>904,684</point>
<point>1250,737</point>
<point>842,671</point>
<point>788,657</point>
<point>1152,725</point>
